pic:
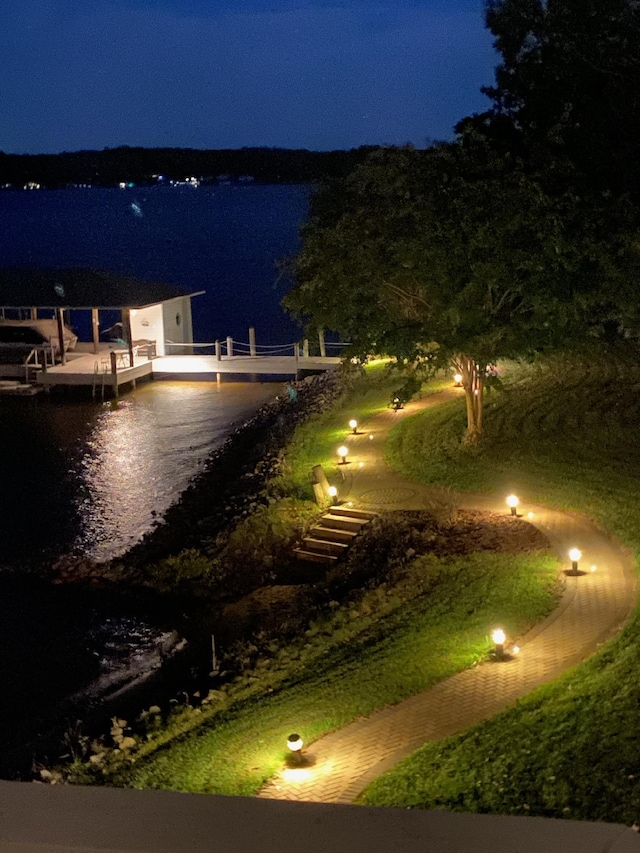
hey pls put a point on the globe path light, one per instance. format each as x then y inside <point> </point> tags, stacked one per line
<point>574,556</point>
<point>333,494</point>
<point>512,503</point>
<point>457,378</point>
<point>498,637</point>
<point>353,423</point>
<point>295,742</point>
<point>343,452</point>
<point>294,745</point>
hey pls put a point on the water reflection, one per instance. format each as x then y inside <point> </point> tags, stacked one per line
<point>142,453</point>
<point>76,475</point>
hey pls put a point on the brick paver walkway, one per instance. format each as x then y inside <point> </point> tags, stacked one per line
<point>592,608</point>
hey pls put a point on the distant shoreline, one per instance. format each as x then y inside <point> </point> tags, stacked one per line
<point>112,167</point>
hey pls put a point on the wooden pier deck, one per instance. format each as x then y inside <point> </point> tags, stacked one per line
<point>94,370</point>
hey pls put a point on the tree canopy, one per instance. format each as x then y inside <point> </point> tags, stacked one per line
<point>568,86</point>
<point>522,235</point>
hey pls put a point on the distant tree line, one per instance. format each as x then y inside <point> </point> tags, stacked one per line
<point>111,166</point>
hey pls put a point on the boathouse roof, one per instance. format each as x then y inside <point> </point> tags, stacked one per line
<point>22,287</point>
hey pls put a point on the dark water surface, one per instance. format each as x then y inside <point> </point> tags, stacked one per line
<point>83,477</point>
<point>225,240</point>
<point>76,476</point>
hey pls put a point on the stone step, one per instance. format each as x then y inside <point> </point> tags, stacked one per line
<point>333,534</point>
<point>313,557</point>
<point>342,522</point>
<point>323,546</point>
<point>353,512</point>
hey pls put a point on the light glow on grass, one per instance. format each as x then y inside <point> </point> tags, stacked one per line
<point>570,429</point>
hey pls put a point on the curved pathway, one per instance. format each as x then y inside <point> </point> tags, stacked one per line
<point>594,606</point>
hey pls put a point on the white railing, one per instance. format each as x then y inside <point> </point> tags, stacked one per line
<point>230,348</point>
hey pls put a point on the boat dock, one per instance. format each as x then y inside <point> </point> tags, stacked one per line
<point>108,371</point>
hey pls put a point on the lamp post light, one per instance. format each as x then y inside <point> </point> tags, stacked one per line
<point>343,452</point>
<point>512,503</point>
<point>353,423</point>
<point>294,744</point>
<point>574,556</point>
<point>498,637</point>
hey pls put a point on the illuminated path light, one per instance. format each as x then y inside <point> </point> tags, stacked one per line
<point>575,555</point>
<point>346,760</point>
<point>498,638</point>
<point>512,503</point>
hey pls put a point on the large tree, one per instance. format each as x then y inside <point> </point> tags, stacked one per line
<point>454,254</point>
<point>567,89</point>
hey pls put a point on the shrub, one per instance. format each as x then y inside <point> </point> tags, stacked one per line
<point>190,572</point>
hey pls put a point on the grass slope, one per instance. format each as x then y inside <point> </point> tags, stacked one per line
<point>567,433</point>
<point>393,641</point>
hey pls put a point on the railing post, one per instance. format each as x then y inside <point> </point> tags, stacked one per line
<point>252,341</point>
<point>114,372</point>
<point>229,346</point>
<point>297,351</point>
<point>305,348</point>
<point>323,349</point>
<point>218,351</point>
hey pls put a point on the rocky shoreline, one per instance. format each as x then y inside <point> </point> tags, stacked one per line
<point>232,485</point>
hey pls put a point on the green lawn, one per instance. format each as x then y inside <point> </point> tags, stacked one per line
<point>316,442</point>
<point>392,644</point>
<point>567,433</point>
<point>393,641</point>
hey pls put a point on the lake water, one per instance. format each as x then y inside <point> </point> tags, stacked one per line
<point>92,477</point>
<point>78,475</point>
<point>224,240</point>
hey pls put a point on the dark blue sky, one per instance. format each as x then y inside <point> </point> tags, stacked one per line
<point>316,74</point>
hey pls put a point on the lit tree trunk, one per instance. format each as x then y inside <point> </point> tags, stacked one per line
<point>473,384</point>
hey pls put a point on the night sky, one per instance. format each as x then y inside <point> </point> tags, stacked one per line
<point>318,74</point>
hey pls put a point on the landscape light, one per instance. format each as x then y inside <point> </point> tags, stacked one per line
<point>295,742</point>
<point>458,380</point>
<point>353,423</point>
<point>512,502</point>
<point>370,437</point>
<point>498,637</point>
<point>574,556</point>
<point>593,568</point>
<point>343,452</point>
<point>515,650</point>
<point>333,494</point>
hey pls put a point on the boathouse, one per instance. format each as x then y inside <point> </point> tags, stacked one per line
<point>148,314</point>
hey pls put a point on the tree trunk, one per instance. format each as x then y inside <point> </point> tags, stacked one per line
<point>473,384</point>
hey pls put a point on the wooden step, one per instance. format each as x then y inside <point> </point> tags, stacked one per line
<point>323,546</point>
<point>342,522</point>
<point>352,512</point>
<point>313,557</point>
<point>333,534</point>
